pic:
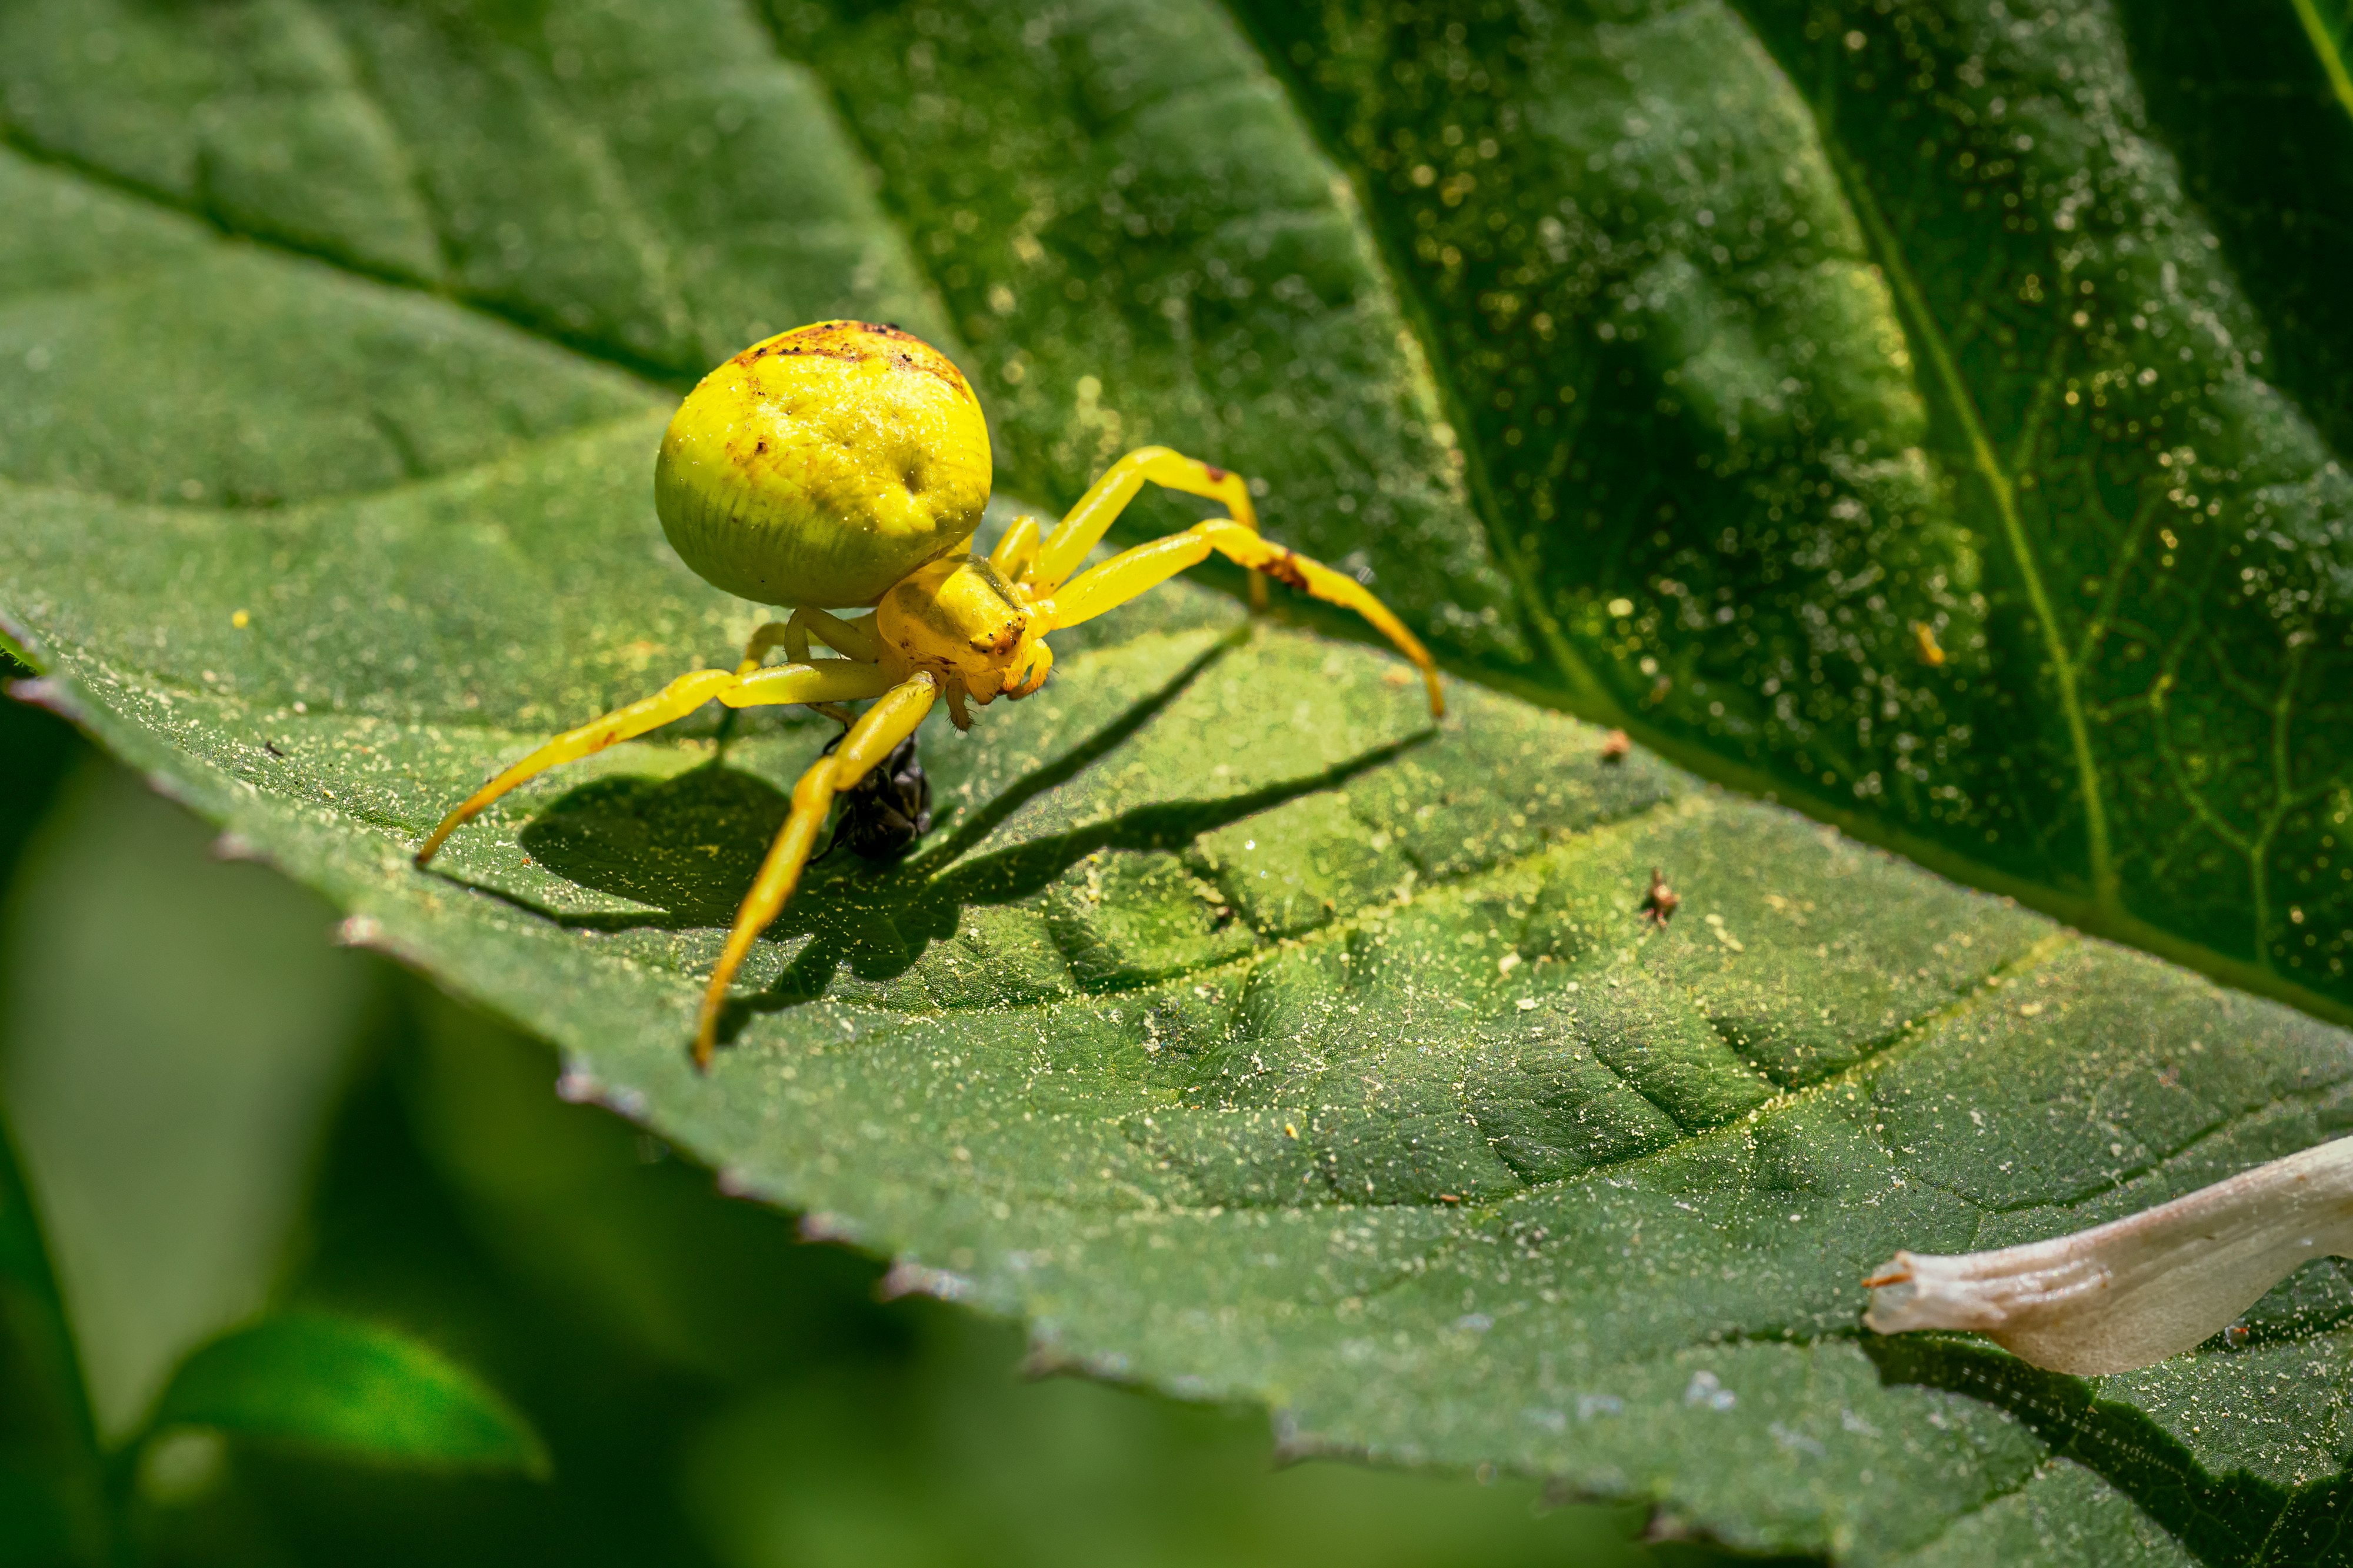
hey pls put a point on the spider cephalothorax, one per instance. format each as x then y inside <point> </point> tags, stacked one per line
<point>845,465</point>
<point>976,633</point>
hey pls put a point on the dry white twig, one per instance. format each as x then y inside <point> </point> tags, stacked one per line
<point>2137,1290</point>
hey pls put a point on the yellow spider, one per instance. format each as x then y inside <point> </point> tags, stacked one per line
<point>847,464</point>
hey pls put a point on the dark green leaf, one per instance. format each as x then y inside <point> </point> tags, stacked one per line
<point>329,1383</point>
<point>51,1486</point>
<point>51,1477</point>
<point>1799,328</point>
<point>1239,1035</point>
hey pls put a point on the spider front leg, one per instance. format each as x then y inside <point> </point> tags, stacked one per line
<point>851,639</point>
<point>875,735</point>
<point>835,680</point>
<point>1137,572</point>
<point>1089,520</point>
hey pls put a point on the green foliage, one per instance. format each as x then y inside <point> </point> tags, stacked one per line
<point>67,1464</point>
<point>713,1392</point>
<point>330,1383</point>
<point>50,1489</point>
<point>1801,327</point>
<point>1858,398</point>
<point>168,1208</point>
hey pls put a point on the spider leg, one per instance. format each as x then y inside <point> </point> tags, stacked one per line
<point>1084,528</point>
<point>1017,549</point>
<point>851,639</point>
<point>854,639</point>
<point>1041,667</point>
<point>835,680</point>
<point>820,684</point>
<point>1137,572</point>
<point>876,734</point>
<point>757,647</point>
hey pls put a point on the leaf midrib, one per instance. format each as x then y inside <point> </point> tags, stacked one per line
<point>2329,49</point>
<point>2004,490</point>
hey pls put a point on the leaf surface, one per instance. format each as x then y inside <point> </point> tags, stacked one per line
<point>1243,1034</point>
<point>1865,398</point>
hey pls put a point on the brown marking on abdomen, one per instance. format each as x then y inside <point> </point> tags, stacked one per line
<point>847,341</point>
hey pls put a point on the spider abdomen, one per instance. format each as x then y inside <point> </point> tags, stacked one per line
<point>823,465</point>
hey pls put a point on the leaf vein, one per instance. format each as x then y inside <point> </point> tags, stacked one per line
<point>655,374</point>
<point>2004,490</point>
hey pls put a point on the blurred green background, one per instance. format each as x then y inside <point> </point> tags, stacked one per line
<point>220,1114</point>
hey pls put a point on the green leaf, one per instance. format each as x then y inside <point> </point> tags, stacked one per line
<point>52,1488</point>
<point>168,1210</point>
<point>1751,321</point>
<point>1243,1037</point>
<point>1797,328</point>
<point>323,1382</point>
<point>52,1480</point>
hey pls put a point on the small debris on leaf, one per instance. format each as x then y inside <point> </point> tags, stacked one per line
<point>1661,902</point>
